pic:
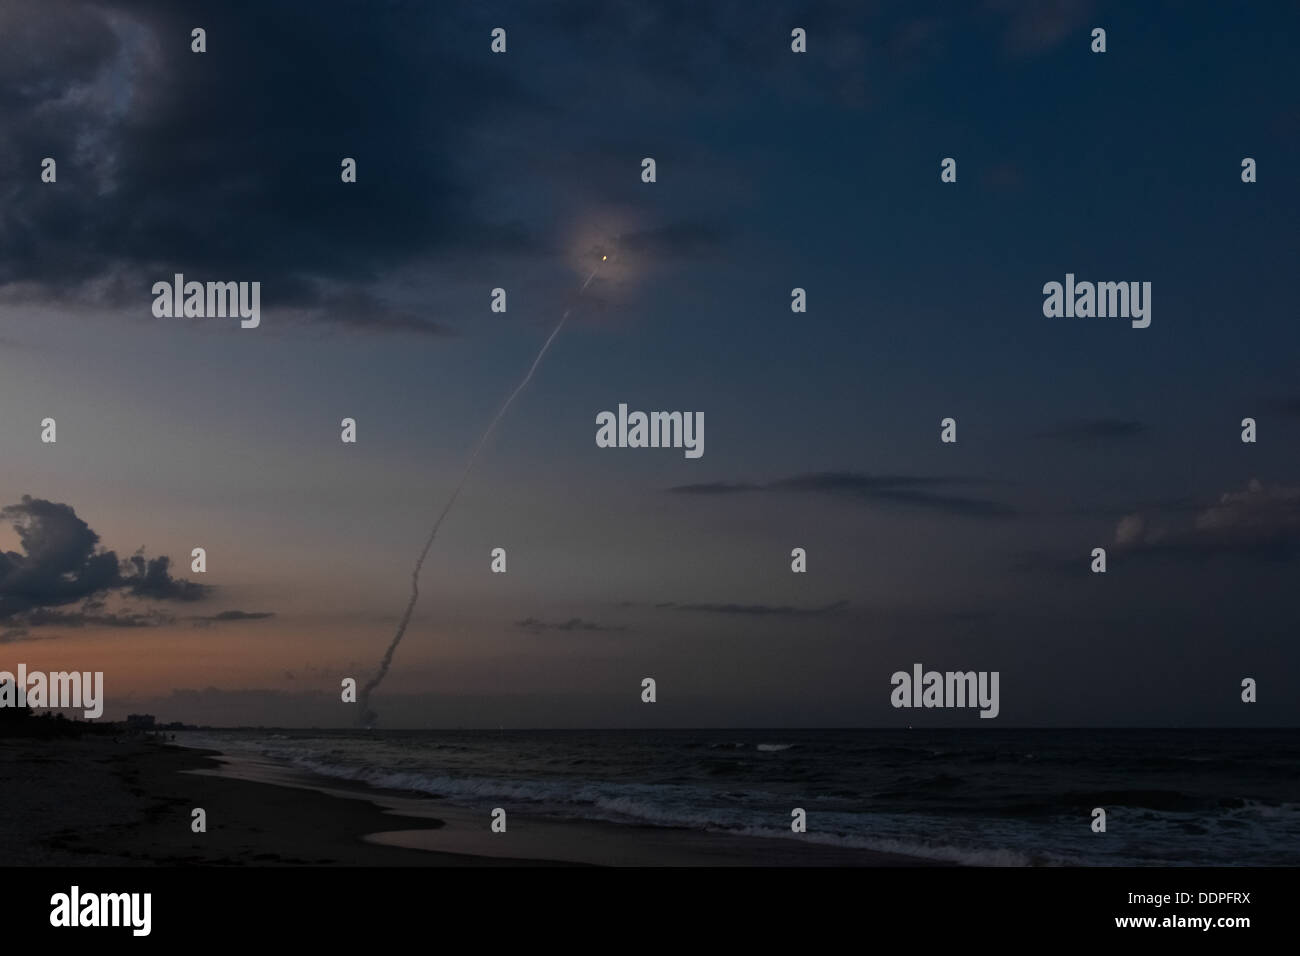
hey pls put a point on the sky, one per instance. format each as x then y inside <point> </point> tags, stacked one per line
<point>774,170</point>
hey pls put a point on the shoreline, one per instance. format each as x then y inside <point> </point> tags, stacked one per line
<point>261,814</point>
<point>92,802</point>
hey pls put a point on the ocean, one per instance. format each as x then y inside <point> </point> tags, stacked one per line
<point>984,797</point>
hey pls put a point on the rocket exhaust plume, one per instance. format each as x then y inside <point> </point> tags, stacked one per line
<point>367,716</point>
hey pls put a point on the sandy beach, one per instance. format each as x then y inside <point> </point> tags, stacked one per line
<point>91,802</point>
<point>95,802</point>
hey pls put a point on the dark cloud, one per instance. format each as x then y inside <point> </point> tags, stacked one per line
<point>1035,26</point>
<point>42,617</point>
<point>377,321</point>
<point>151,579</point>
<point>237,616</point>
<point>914,490</point>
<point>572,624</point>
<point>327,674</point>
<point>358,310</point>
<point>226,164</point>
<point>674,240</point>
<point>835,482</point>
<point>730,45</point>
<point>62,563</point>
<point>1095,430</point>
<point>765,610</point>
<point>1261,522</point>
<point>919,491</point>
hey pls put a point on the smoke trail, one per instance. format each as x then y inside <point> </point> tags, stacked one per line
<point>368,716</point>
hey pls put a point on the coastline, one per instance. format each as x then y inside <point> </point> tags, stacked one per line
<point>260,814</point>
<point>93,802</point>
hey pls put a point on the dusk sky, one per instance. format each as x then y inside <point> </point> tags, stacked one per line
<point>775,170</point>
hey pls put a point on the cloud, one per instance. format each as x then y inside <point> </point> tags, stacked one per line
<point>1130,529</point>
<point>913,490</point>
<point>236,616</point>
<point>921,491</point>
<point>62,563</point>
<point>42,617</point>
<point>1260,522</point>
<point>326,674</point>
<point>1035,26</point>
<point>151,579</point>
<point>358,310</point>
<point>683,239</point>
<point>148,185</point>
<point>765,610</point>
<point>376,321</point>
<point>1090,431</point>
<point>572,624</point>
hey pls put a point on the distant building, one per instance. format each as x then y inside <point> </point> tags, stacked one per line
<point>139,721</point>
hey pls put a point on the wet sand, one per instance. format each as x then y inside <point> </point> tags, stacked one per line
<point>95,802</point>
